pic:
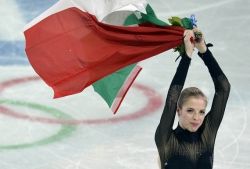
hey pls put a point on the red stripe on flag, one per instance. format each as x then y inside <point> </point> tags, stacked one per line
<point>70,50</point>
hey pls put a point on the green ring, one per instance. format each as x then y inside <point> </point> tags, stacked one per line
<point>65,130</point>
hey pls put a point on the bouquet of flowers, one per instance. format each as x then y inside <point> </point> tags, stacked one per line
<point>187,23</point>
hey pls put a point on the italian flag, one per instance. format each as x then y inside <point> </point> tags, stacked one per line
<point>78,43</point>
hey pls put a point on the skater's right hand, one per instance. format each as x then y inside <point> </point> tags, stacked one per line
<point>200,45</point>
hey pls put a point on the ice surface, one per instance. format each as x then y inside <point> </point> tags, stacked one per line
<point>80,132</point>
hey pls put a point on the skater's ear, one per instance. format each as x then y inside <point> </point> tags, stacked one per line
<point>178,111</point>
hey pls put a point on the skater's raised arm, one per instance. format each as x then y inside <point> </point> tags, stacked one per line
<point>221,84</point>
<point>167,119</point>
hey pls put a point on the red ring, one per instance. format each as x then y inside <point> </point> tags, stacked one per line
<point>154,102</point>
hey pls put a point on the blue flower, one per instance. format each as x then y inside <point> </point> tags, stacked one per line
<point>193,20</point>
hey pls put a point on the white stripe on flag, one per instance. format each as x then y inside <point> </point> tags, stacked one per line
<point>99,8</point>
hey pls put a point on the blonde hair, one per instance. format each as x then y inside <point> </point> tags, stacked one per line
<point>190,92</point>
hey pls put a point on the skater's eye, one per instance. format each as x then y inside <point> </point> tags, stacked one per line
<point>202,112</point>
<point>190,110</point>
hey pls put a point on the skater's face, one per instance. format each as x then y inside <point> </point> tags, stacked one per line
<point>192,113</point>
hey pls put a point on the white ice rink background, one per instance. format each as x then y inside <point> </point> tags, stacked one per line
<point>80,132</point>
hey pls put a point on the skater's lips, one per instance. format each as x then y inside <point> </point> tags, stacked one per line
<point>195,124</point>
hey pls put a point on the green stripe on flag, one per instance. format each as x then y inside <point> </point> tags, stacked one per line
<point>109,86</point>
<point>149,17</point>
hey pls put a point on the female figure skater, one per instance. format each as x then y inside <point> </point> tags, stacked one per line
<point>191,144</point>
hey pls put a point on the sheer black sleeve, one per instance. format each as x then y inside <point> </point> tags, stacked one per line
<point>222,90</point>
<point>167,119</point>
